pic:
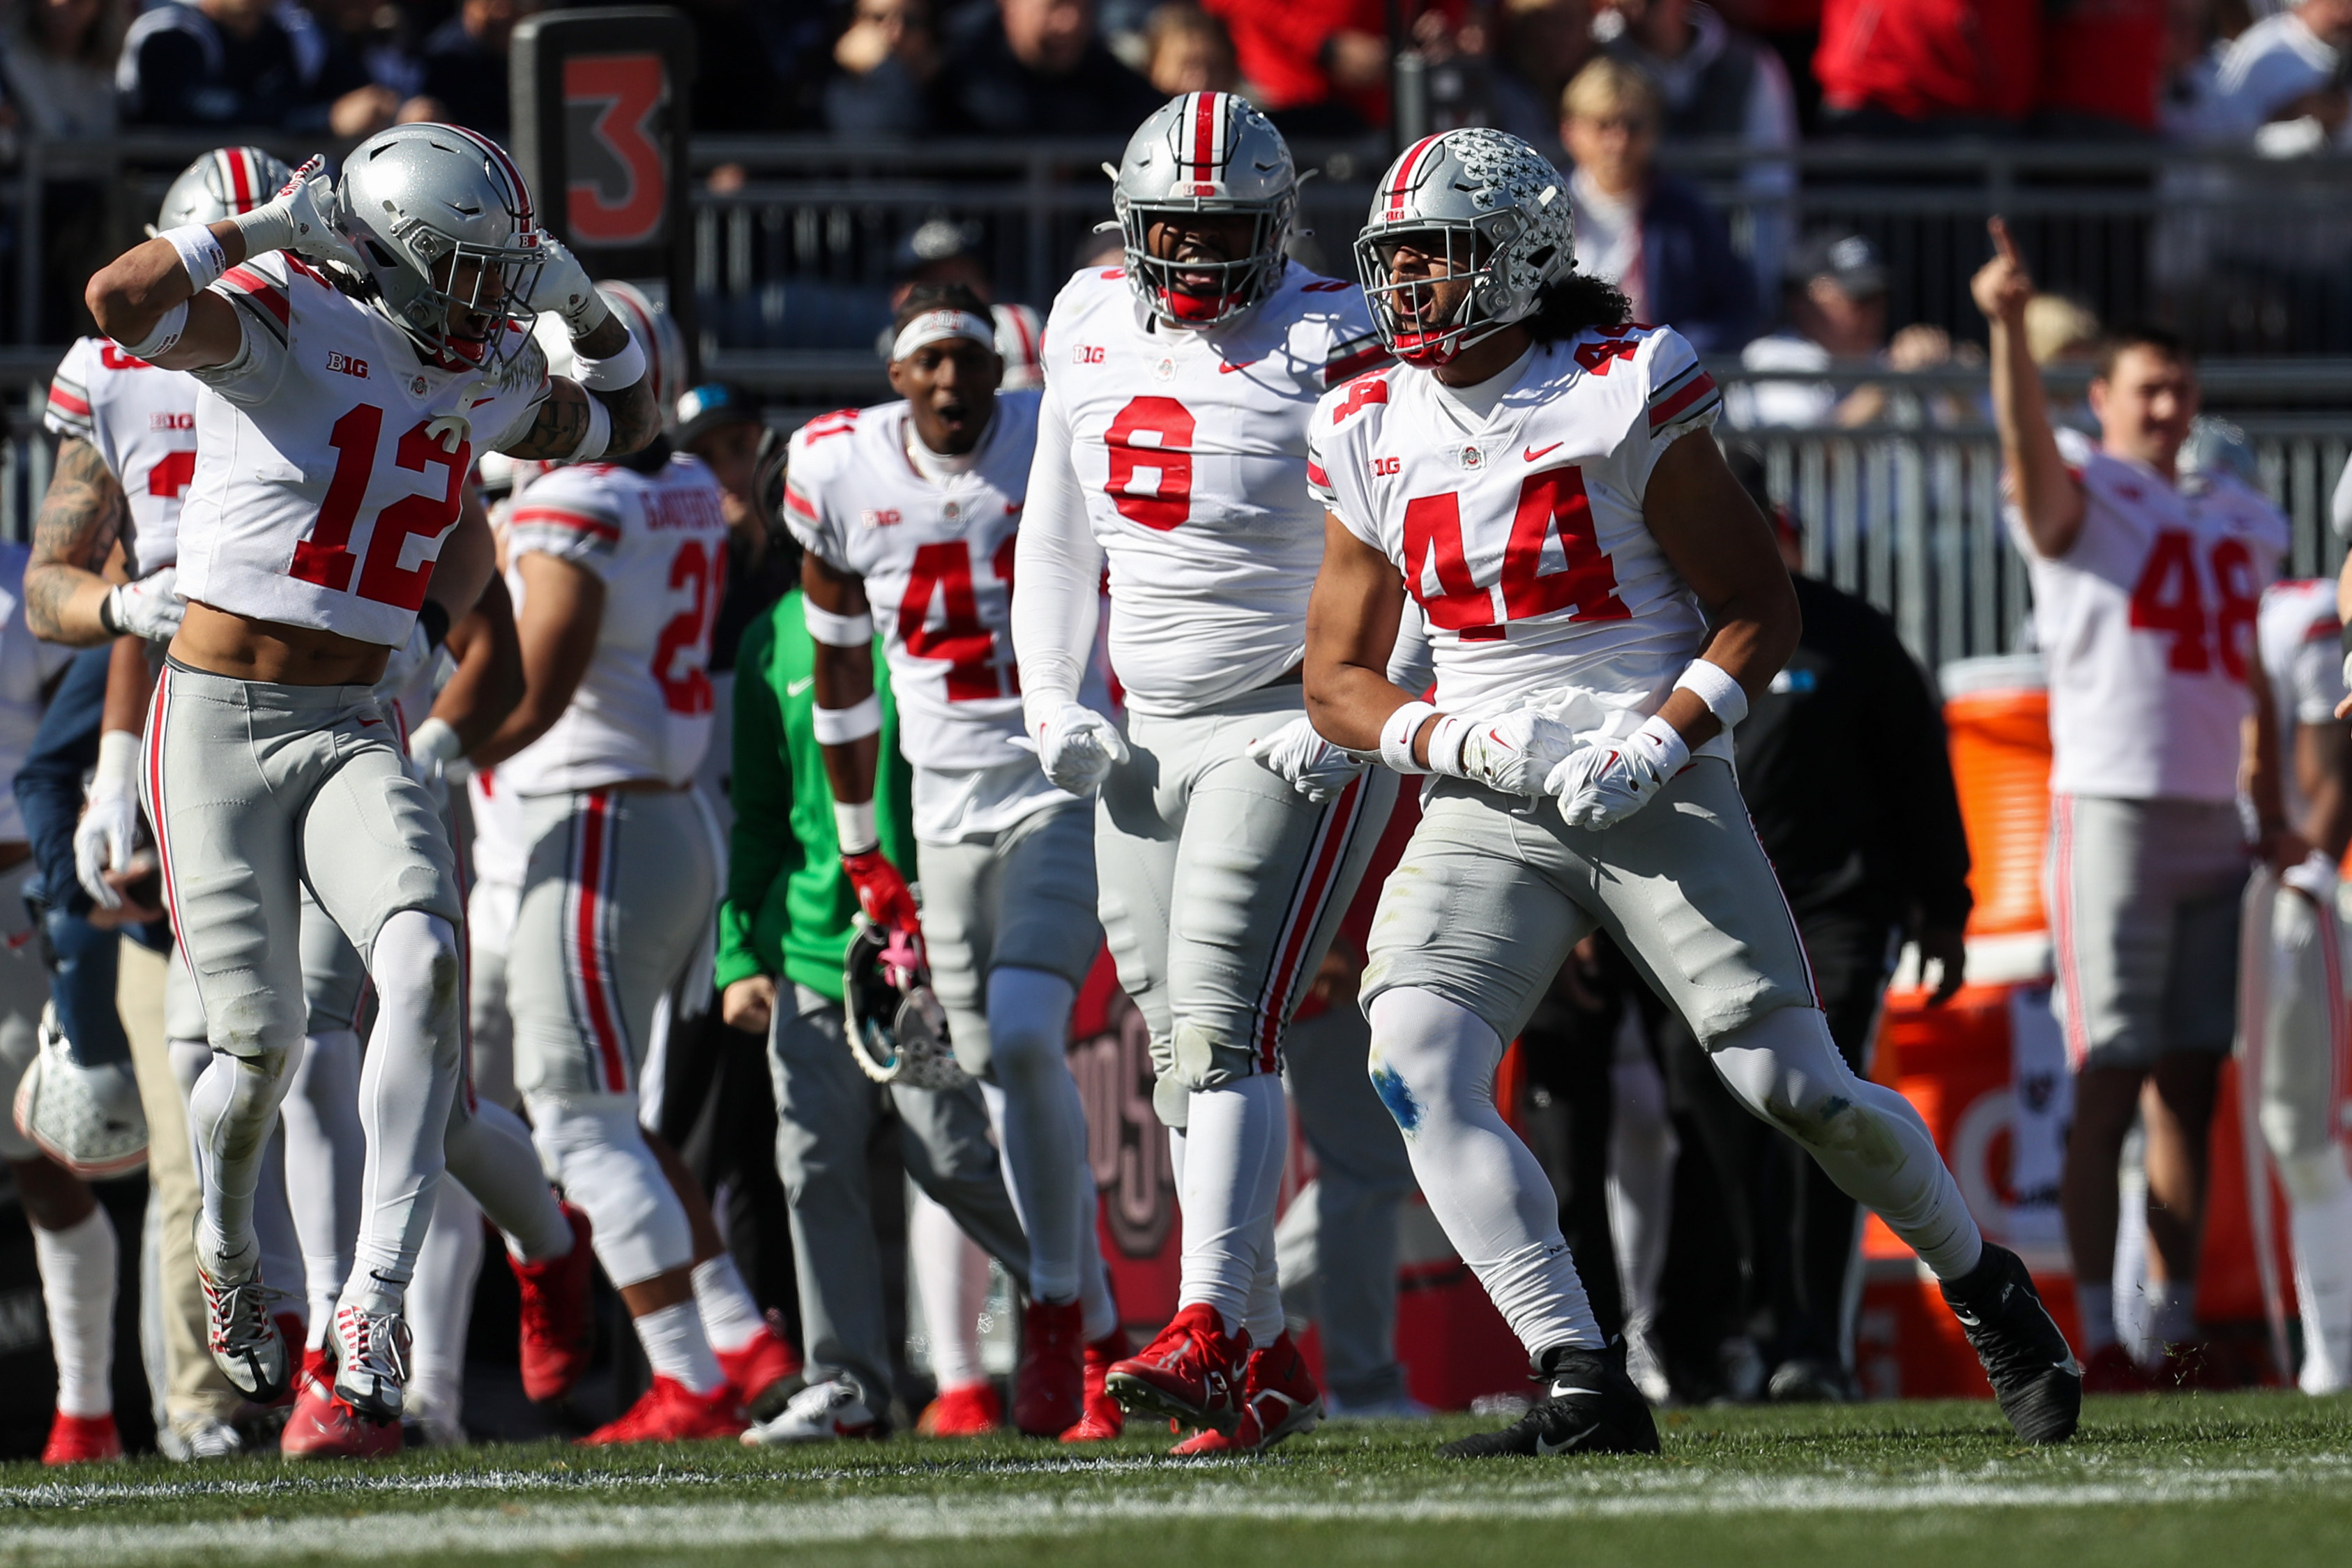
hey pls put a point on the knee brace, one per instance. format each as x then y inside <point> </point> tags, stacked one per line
<point>415,963</point>
<point>596,1151</point>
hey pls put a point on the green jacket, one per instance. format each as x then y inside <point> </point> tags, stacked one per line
<point>788,906</point>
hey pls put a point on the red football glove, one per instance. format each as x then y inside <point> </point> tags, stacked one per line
<point>882,892</point>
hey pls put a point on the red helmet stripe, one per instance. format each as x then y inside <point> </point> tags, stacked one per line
<point>240,178</point>
<point>1204,132</point>
<point>1407,166</point>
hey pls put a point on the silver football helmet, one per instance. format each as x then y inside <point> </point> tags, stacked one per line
<point>898,1029</point>
<point>87,1118</point>
<point>222,184</point>
<point>649,322</point>
<point>444,224</point>
<point>1495,209</point>
<point>1205,153</point>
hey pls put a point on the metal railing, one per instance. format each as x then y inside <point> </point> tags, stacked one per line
<point>797,244</point>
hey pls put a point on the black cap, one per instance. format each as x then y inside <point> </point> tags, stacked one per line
<point>705,408</point>
<point>932,241</point>
<point>1845,258</point>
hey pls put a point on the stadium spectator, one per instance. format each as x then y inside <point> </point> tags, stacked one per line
<point>466,67</point>
<point>2157,723</point>
<point>2102,68</point>
<point>370,68</point>
<point>2286,68</point>
<point>1317,66</point>
<point>1038,67</point>
<point>1650,234</point>
<point>888,57</point>
<point>744,54</point>
<point>1928,67</point>
<point>2193,50</point>
<point>215,63</point>
<point>1539,45</point>
<point>1833,304</point>
<point>58,62</point>
<point>1189,51</point>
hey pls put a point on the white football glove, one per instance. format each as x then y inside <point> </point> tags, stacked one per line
<point>1077,746</point>
<point>1514,752</point>
<point>564,289</point>
<point>1310,764</point>
<point>109,821</point>
<point>1603,784</point>
<point>149,608</point>
<point>432,747</point>
<point>298,218</point>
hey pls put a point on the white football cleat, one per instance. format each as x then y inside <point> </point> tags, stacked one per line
<point>820,1413</point>
<point>242,1335</point>
<point>371,1352</point>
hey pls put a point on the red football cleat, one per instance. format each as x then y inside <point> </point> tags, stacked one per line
<point>669,1413</point>
<point>1104,1420</point>
<point>81,1441</point>
<point>1049,1387</point>
<point>1280,1400</point>
<point>971,1411</point>
<point>2110,1370</point>
<point>323,1426</point>
<point>559,1334</point>
<point>1191,1374</point>
<point>759,1364</point>
<point>295,1332</point>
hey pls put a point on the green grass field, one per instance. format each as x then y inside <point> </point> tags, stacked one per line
<point>2235,1482</point>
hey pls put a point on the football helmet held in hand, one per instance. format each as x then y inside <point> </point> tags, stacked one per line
<point>898,1030</point>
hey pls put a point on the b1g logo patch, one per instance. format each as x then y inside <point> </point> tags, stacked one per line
<point>878,518</point>
<point>338,360</point>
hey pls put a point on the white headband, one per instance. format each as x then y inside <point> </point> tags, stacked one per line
<point>932,326</point>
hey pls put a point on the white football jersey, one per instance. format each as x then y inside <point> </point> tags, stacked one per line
<point>2299,634</point>
<point>2146,626</point>
<point>659,541</point>
<point>320,500</point>
<point>143,421</point>
<point>1186,452</point>
<point>27,666</point>
<point>1522,535</point>
<point>936,559</point>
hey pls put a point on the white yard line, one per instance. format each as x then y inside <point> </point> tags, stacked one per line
<point>546,1523</point>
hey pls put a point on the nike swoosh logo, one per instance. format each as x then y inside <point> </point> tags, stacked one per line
<point>796,688</point>
<point>1531,453</point>
<point>1226,366</point>
<point>370,723</point>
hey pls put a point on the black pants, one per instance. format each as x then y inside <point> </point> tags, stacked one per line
<point>1778,1247</point>
<point>718,1112</point>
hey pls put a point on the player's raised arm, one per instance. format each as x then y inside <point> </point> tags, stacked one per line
<point>2049,498</point>
<point>607,408</point>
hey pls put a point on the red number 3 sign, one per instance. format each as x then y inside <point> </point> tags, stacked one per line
<point>615,154</point>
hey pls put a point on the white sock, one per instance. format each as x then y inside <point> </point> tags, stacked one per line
<point>730,1318</point>
<point>490,1153</point>
<point>1433,1063</point>
<point>1043,1132</point>
<point>676,1348</point>
<point>405,1088</point>
<point>325,1150</point>
<point>1641,1154</point>
<point>232,1115</point>
<point>2172,1310</point>
<point>2095,1305</point>
<point>1785,1069</point>
<point>952,1276</point>
<point>282,1264</point>
<point>2319,1218</point>
<point>441,1301</point>
<point>78,1268</point>
<point>1234,1139</point>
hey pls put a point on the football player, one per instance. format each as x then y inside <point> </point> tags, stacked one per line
<point>1172,446</point>
<point>352,343</point>
<point>1602,597</point>
<point>616,571</point>
<point>909,514</point>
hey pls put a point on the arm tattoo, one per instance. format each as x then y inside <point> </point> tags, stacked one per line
<point>636,416</point>
<point>554,432</point>
<point>79,520</point>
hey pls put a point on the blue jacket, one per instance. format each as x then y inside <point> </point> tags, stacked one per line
<point>1695,284</point>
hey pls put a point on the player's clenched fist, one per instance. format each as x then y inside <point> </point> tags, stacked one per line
<point>1312,765</point>
<point>1077,748</point>
<point>1601,784</point>
<point>299,218</point>
<point>882,890</point>
<point>1513,753</point>
<point>562,287</point>
<point>2002,285</point>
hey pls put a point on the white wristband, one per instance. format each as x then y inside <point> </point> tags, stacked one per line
<point>841,725</point>
<point>625,368</point>
<point>1396,736</point>
<point>853,825</point>
<point>118,763</point>
<point>1446,739</point>
<point>163,339</point>
<point>1713,685</point>
<point>200,252</point>
<point>599,433</point>
<point>837,631</point>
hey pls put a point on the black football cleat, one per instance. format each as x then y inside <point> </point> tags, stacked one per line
<point>1588,1406</point>
<point>2033,1373</point>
